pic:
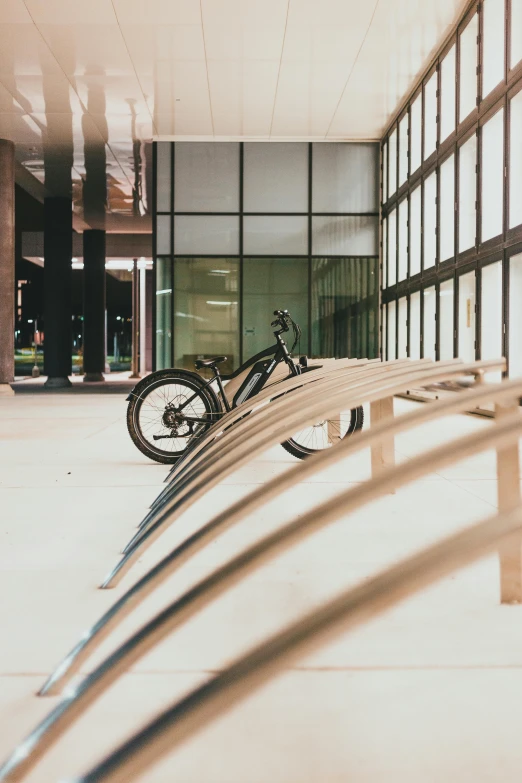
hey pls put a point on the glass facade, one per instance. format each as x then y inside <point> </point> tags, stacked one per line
<point>464,199</point>
<point>242,229</point>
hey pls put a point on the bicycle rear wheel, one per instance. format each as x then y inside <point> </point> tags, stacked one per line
<point>324,434</point>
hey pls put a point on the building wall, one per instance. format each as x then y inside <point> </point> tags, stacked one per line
<point>452,198</point>
<point>241,229</point>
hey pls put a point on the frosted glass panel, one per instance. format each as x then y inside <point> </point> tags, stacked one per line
<point>446,316</point>
<point>515,163</point>
<point>515,316</point>
<point>345,178</point>
<point>163,235</point>
<point>468,194</point>
<point>206,177</point>
<point>275,177</point>
<point>415,300</point>
<point>267,236</point>
<point>206,235</point>
<point>430,306</point>
<point>448,92</point>
<point>468,69</point>
<point>416,134</point>
<point>415,231</point>
<point>345,236</point>
<point>516,32</point>
<point>392,164</point>
<point>385,173</point>
<point>467,300</point>
<point>430,220</point>
<point>403,149</point>
<point>447,209</point>
<point>491,314</point>
<point>403,240</point>
<point>391,326</point>
<point>493,54</point>
<point>492,176</point>
<point>430,116</point>
<point>163,177</point>
<point>392,247</point>
<point>402,352</point>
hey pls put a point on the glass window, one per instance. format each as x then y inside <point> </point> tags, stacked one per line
<point>163,313</point>
<point>430,307</point>
<point>384,251</point>
<point>206,234</point>
<point>515,316</point>
<point>430,220</point>
<point>515,162</point>
<point>163,172</point>
<point>491,320</point>
<point>392,164</point>
<point>446,318</point>
<point>493,26</point>
<point>403,149</point>
<point>273,284</point>
<point>430,116</point>
<point>415,319</point>
<point>468,194</point>
<point>206,177</point>
<point>516,32</point>
<point>392,247</point>
<point>268,235</point>
<point>448,87</point>
<point>206,321</point>
<point>385,173</point>
<point>345,307</point>
<point>340,236</point>
<point>492,170</point>
<point>447,209</point>
<point>402,325</point>
<point>468,69</point>
<point>415,231</point>
<point>416,134</point>
<point>275,177</point>
<point>345,177</point>
<point>403,240</point>
<point>163,234</point>
<point>467,317</point>
<point>391,336</point>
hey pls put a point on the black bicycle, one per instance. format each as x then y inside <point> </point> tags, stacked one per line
<point>169,408</point>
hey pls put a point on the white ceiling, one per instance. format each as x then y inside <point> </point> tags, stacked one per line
<point>93,75</point>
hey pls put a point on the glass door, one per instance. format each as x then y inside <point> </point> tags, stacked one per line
<point>515,316</point>
<point>430,307</point>
<point>446,320</point>
<point>467,317</point>
<point>415,323</point>
<point>491,320</point>
<point>403,328</point>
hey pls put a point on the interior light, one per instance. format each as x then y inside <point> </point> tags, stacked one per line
<point>220,271</point>
<point>210,302</point>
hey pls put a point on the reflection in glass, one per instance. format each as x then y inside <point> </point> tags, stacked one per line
<point>491,320</point>
<point>206,234</point>
<point>275,177</point>
<point>446,318</point>
<point>430,307</point>
<point>448,88</point>
<point>492,169</point>
<point>515,316</point>
<point>467,299</point>
<point>403,149</point>
<point>206,320</point>
<point>391,334</point>
<point>515,162</point>
<point>468,194</point>
<point>345,177</point>
<point>163,172</point>
<point>403,240</point>
<point>415,322</point>
<point>402,326</point>
<point>392,163</point>
<point>416,134</point>
<point>430,116</point>
<point>269,235</point>
<point>273,284</point>
<point>516,32</point>
<point>447,209</point>
<point>345,307</point>
<point>468,69</point>
<point>206,177</point>
<point>430,220</point>
<point>163,313</point>
<point>392,247</point>
<point>356,235</point>
<point>493,27</point>
<point>415,231</point>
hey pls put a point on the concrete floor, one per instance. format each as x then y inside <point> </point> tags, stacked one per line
<point>431,691</point>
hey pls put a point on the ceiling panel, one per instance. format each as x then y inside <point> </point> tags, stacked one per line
<point>96,49</point>
<point>71,11</point>
<point>151,43</point>
<point>14,12</point>
<point>167,11</point>
<point>242,95</point>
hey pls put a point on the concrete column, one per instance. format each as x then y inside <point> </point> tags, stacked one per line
<point>94,305</point>
<point>57,291</point>
<point>7,265</point>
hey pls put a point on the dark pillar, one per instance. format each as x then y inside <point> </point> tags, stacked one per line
<point>57,291</point>
<point>135,365</point>
<point>93,305</point>
<point>7,265</point>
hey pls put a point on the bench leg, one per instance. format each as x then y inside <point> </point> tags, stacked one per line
<point>508,495</point>
<point>383,453</point>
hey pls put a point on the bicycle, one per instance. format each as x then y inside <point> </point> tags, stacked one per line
<point>174,406</point>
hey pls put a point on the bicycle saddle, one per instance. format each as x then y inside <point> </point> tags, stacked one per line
<point>209,362</point>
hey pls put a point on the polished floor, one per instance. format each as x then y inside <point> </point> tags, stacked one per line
<point>431,691</point>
